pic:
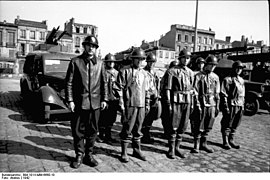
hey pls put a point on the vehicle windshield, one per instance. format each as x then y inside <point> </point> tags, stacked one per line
<point>56,67</point>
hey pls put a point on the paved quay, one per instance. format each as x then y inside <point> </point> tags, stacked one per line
<point>26,146</point>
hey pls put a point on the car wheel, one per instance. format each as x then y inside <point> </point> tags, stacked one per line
<point>251,106</point>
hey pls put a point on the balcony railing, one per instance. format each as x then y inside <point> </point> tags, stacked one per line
<point>11,45</point>
<point>20,54</point>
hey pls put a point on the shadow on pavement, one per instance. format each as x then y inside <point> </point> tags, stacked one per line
<point>53,142</point>
<point>24,149</point>
<point>49,129</point>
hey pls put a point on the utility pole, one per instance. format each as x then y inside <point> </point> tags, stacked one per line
<point>269,19</point>
<point>195,36</point>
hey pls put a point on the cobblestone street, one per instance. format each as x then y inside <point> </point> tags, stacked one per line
<point>30,147</point>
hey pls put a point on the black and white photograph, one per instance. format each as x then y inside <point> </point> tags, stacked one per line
<point>159,89</point>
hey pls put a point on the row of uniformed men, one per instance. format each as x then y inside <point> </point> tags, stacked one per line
<point>138,92</point>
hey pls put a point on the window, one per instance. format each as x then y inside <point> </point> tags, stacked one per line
<point>31,47</point>
<point>186,38</point>
<point>199,48</point>
<point>217,46</point>
<point>32,35</point>
<point>223,46</point>
<point>172,55</point>
<point>85,30</point>
<point>77,30</point>
<point>200,39</point>
<point>205,48</point>
<point>11,39</point>
<point>167,55</point>
<point>211,41</point>
<point>42,36</point>
<point>210,48</point>
<point>161,54</point>
<point>193,39</point>
<point>77,42</point>
<point>1,37</point>
<point>11,53</point>
<point>22,49</point>
<point>205,40</point>
<point>179,48</point>
<point>179,37</point>
<point>93,31</point>
<point>23,34</point>
<point>191,49</point>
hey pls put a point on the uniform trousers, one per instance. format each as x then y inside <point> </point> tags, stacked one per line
<point>231,121</point>
<point>152,115</point>
<point>204,122</point>
<point>179,120</point>
<point>84,128</point>
<point>108,115</point>
<point>132,124</point>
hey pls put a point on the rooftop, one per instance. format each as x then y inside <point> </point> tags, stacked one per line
<point>22,22</point>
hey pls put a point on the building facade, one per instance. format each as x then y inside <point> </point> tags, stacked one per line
<point>182,36</point>
<point>221,44</point>
<point>8,47</point>
<point>164,55</point>
<point>78,32</point>
<point>245,42</point>
<point>30,34</point>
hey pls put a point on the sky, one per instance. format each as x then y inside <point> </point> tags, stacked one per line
<point>122,24</point>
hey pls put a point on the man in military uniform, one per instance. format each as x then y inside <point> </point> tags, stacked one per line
<point>108,115</point>
<point>134,102</point>
<point>200,62</point>
<point>155,106</point>
<point>86,93</point>
<point>232,104</point>
<point>178,86</point>
<point>199,68</point>
<point>206,102</point>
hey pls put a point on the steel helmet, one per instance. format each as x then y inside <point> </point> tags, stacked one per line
<point>200,60</point>
<point>184,53</point>
<point>109,58</point>
<point>237,64</point>
<point>211,59</point>
<point>151,58</point>
<point>138,53</point>
<point>173,64</point>
<point>91,40</point>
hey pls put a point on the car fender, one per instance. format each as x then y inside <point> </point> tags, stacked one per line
<point>50,96</point>
<point>253,94</point>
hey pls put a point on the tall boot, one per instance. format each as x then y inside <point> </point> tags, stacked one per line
<point>136,144</point>
<point>177,149</point>
<point>108,136</point>
<point>171,152</point>
<point>147,139</point>
<point>203,145</point>
<point>78,161</point>
<point>101,135</point>
<point>232,143</point>
<point>196,146</point>
<point>225,142</point>
<point>90,160</point>
<point>124,156</point>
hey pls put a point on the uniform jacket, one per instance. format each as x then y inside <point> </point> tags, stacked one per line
<point>111,76</point>
<point>153,83</point>
<point>134,87</point>
<point>232,91</point>
<point>179,80</point>
<point>86,82</point>
<point>207,89</point>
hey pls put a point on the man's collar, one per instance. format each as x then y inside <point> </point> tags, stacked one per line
<point>87,59</point>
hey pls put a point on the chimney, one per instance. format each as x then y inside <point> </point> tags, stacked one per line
<point>243,38</point>
<point>228,38</point>
<point>5,22</point>
<point>18,18</point>
<point>44,22</point>
<point>260,43</point>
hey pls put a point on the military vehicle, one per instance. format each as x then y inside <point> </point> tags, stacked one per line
<point>256,75</point>
<point>43,81</point>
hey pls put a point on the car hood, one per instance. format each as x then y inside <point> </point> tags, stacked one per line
<point>60,75</point>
